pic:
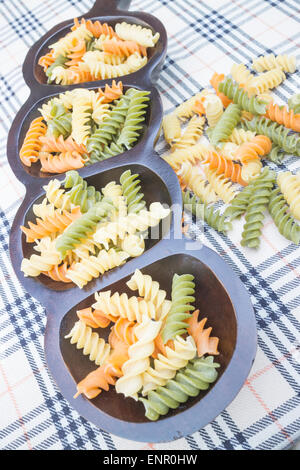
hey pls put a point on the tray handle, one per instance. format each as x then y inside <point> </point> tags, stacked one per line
<point>107,6</point>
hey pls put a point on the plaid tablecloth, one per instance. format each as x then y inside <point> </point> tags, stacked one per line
<point>204,36</point>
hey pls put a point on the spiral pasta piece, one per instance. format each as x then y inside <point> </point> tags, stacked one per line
<point>92,58</point>
<point>111,93</point>
<point>44,262</point>
<point>132,223</point>
<point>134,245</point>
<point>228,150</point>
<point>113,191</point>
<point>52,108</point>
<point>215,80</point>
<point>81,117</point>
<point>59,145</point>
<point>133,32</point>
<point>269,62</point>
<point>225,167</point>
<point>224,127</point>
<point>64,45</point>
<point>94,319</point>
<point>249,153</point>
<point>171,128</point>
<point>61,163</point>
<point>107,129</point>
<point>205,343</point>
<point>241,74</point>
<point>240,203</point>
<point>95,27</point>
<point>93,346</point>
<point>222,186</point>
<point>196,376</point>
<point>193,154</point>
<point>254,217</point>
<point>139,353</point>
<point>131,191</point>
<point>289,185</point>
<point>90,267</point>
<point>166,365</point>
<point>60,125</point>
<point>71,75</point>
<point>241,98</point>
<point>77,50</point>
<point>240,136</point>
<point>57,196</point>
<point>150,290</point>
<point>213,108</point>
<point>134,117</point>
<point>183,290</point>
<point>29,152</point>
<point>122,48</point>
<point>281,115</point>
<point>58,273</point>
<point>123,306</point>
<point>59,63</point>
<point>266,81</point>
<point>46,60</point>
<point>283,220</point>
<point>191,134</point>
<point>276,132</point>
<point>212,217</point>
<point>194,181</point>
<point>82,227</point>
<point>101,70</point>
<point>105,375</point>
<point>51,224</point>
<point>124,330</point>
<point>81,194</point>
<point>186,109</point>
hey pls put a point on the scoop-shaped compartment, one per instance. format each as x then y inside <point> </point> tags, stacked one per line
<point>220,316</point>
<point>147,138</point>
<point>33,72</point>
<point>149,179</point>
<point>220,297</point>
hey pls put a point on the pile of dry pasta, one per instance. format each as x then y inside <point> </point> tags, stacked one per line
<point>245,130</point>
<point>81,127</point>
<point>80,233</point>
<point>158,351</point>
<point>95,51</point>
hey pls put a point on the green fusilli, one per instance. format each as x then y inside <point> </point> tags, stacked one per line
<point>283,219</point>
<point>183,290</point>
<point>276,132</point>
<point>212,217</point>
<point>82,227</point>
<point>81,193</point>
<point>60,60</point>
<point>60,125</point>
<point>258,201</point>
<point>276,155</point>
<point>135,116</point>
<point>196,376</point>
<point>131,191</point>
<point>228,121</point>
<point>108,129</point>
<point>112,150</point>
<point>241,97</point>
<point>239,203</point>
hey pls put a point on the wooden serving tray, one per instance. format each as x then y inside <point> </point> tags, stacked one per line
<point>220,294</point>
